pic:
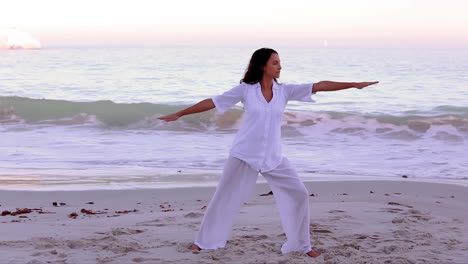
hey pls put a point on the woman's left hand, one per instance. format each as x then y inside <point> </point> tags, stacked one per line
<point>361,85</point>
<point>171,117</point>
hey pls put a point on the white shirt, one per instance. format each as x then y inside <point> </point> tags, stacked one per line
<point>258,141</point>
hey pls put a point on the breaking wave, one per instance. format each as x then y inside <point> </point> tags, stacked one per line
<point>443,122</point>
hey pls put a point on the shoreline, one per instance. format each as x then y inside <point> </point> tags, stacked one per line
<point>351,222</point>
<point>10,184</point>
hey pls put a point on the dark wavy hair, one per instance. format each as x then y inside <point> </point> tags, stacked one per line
<point>254,72</point>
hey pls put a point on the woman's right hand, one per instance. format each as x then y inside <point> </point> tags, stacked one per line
<point>171,117</point>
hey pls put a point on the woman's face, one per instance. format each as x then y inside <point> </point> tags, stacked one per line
<point>272,68</point>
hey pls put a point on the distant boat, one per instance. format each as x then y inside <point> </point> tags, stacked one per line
<point>325,43</point>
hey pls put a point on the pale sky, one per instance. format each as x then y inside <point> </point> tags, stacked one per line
<point>354,23</point>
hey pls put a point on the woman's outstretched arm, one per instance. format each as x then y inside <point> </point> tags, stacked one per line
<point>328,86</point>
<point>202,106</point>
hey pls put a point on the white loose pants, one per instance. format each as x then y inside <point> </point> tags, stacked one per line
<point>236,183</point>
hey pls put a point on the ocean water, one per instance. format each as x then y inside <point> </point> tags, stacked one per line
<point>83,118</point>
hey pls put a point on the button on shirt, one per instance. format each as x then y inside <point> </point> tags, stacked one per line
<point>258,141</point>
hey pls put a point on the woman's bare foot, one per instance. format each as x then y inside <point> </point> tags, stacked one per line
<point>195,247</point>
<point>313,254</point>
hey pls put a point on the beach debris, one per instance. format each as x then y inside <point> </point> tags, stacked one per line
<point>344,194</point>
<point>453,196</point>
<point>90,203</point>
<point>387,194</point>
<point>404,176</point>
<point>73,215</point>
<point>397,193</point>
<point>167,210</point>
<point>313,194</point>
<point>25,211</point>
<point>22,216</point>
<point>6,212</point>
<point>58,204</point>
<point>266,194</point>
<point>86,211</point>
<point>126,211</point>
<point>21,211</point>
<point>371,192</point>
<point>203,207</point>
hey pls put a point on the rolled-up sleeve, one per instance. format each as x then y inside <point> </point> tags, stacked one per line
<point>228,99</point>
<point>299,92</point>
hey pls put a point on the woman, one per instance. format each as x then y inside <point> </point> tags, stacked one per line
<point>257,149</point>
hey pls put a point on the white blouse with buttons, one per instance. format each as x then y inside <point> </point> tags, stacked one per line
<point>258,141</point>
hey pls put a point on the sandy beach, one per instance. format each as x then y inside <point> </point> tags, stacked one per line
<point>351,222</point>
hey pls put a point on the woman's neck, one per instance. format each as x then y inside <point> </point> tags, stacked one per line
<point>266,83</point>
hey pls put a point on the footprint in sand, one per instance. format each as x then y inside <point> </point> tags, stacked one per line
<point>423,236</point>
<point>256,237</point>
<point>359,236</point>
<point>321,231</point>
<point>60,255</point>
<point>398,220</point>
<point>413,212</point>
<point>339,217</point>
<point>422,218</point>
<point>151,260</point>
<point>155,222</point>
<point>391,210</point>
<point>452,242</point>
<point>75,244</point>
<point>123,231</point>
<point>245,228</point>
<point>437,222</point>
<point>193,215</point>
<point>390,249</point>
<point>399,204</point>
<point>335,211</point>
<point>401,234</point>
<point>184,247</point>
<point>44,243</point>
